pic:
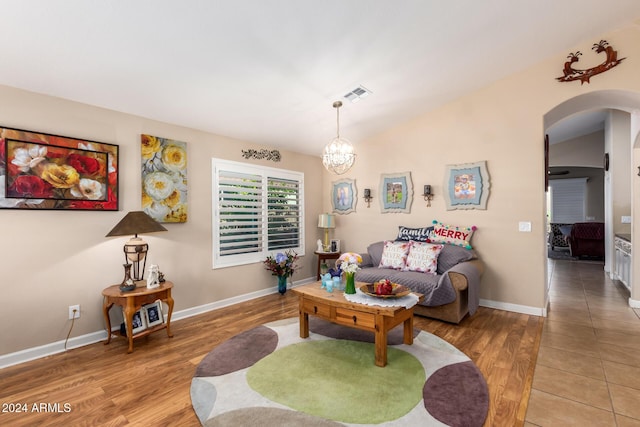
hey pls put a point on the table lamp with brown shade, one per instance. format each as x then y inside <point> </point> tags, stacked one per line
<point>135,250</point>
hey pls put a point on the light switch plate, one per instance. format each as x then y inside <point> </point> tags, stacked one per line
<point>524,226</point>
<point>626,219</point>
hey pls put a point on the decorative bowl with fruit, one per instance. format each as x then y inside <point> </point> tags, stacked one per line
<point>385,289</point>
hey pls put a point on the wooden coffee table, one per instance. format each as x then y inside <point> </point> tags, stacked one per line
<point>332,306</point>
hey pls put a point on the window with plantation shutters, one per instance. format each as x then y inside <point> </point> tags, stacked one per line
<point>568,200</point>
<point>257,211</point>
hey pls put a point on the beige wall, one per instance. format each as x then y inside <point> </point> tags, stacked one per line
<point>504,125</point>
<point>586,150</point>
<point>53,259</point>
<point>619,146</point>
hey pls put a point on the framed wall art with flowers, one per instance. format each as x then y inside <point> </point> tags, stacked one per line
<point>164,179</point>
<point>43,171</point>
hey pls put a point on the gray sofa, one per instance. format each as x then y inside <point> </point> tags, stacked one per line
<point>448,295</point>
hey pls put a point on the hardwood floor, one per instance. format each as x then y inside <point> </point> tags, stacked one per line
<point>103,385</point>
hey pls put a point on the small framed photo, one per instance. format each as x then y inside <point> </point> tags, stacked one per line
<point>138,323</point>
<point>153,314</point>
<point>344,196</point>
<point>334,246</point>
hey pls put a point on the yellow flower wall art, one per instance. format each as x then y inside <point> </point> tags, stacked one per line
<point>164,179</point>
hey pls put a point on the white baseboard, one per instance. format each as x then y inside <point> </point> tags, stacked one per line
<point>49,349</point>
<point>34,353</point>
<point>516,308</point>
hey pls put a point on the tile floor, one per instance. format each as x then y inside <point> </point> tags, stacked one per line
<point>588,367</point>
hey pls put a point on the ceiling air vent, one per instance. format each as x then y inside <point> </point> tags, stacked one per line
<point>357,94</point>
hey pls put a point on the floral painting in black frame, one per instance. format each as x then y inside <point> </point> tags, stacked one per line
<point>43,171</point>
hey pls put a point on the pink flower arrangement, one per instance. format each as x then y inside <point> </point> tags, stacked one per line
<point>349,262</point>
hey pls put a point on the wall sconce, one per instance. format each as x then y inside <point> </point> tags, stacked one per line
<point>367,196</point>
<point>428,195</point>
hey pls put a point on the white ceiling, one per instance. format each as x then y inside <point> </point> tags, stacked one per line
<point>268,71</point>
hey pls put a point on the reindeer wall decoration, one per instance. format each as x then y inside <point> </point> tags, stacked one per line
<point>571,73</point>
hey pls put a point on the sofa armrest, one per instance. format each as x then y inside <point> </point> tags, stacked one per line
<point>466,276</point>
<point>457,275</point>
<point>366,260</point>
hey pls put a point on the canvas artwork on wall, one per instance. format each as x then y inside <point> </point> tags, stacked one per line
<point>164,179</point>
<point>42,171</point>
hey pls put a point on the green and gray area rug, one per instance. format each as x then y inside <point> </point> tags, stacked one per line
<point>269,376</point>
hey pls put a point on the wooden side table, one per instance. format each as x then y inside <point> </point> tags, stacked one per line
<point>131,302</point>
<point>325,255</point>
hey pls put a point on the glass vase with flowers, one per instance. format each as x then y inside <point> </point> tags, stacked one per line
<point>349,265</point>
<point>283,265</point>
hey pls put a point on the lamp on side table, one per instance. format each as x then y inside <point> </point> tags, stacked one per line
<point>326,221</point>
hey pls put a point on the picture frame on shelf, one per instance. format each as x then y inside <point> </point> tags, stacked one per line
<point>153,314</point>
<point>396,192</point>
<point>138,322</point>
<point>344,196</point>
<point>467,186</point>
<point>334,245</point>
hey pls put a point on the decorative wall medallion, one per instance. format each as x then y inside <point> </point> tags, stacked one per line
<point>262,154</point>
<point>571,73</point>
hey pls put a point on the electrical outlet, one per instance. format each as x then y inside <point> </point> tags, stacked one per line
<point>76,314</point>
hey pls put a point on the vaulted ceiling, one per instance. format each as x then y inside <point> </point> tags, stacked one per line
<point>268,71</point>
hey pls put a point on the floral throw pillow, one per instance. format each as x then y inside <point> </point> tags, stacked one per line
<point>394,254</point>
<point>423,257</point>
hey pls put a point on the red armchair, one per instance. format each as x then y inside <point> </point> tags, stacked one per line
<point>587,239</point>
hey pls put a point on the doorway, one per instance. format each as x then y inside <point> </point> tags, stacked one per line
<point>579,110</point>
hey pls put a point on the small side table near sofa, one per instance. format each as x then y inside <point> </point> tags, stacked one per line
<point>131,302</point>
<point>322,256</point>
